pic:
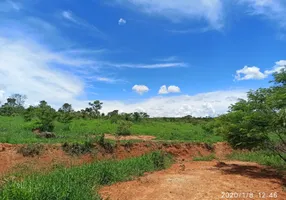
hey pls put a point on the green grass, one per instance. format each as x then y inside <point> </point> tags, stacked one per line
<point>262,157</point>
<point>81,183</point>
<point>205,158</point>
<point>12,131</point>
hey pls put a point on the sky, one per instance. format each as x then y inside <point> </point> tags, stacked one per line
<point>164,57</point>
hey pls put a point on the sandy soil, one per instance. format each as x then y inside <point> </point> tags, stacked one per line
<point>202,181</point>
<point>130,137</point>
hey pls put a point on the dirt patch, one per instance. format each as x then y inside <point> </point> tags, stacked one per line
<point>201,180</point>
<point>130,137</point>
<point>222,149</point>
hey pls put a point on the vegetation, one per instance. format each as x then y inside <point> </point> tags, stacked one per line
<point>31,150</point>
<point>259,122</point>
<point>80,182</point>
<point>205,158</point>
<point>262,157</point>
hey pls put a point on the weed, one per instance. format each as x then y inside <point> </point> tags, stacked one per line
<point>205,158</point>
<point>31,150</point>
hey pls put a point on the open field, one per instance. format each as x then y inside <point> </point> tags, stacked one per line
<point>12,130</point>
<point>88,160</point>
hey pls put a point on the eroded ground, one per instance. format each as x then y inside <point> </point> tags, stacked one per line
<point>202,181</point>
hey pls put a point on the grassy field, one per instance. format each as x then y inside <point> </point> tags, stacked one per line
<point>81,183</point>
<point>12,130</point>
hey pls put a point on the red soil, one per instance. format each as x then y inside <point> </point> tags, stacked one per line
<point>201,180</point>
<point>54,155</point>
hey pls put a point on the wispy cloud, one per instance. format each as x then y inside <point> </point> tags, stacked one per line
<point>70,16</point>
<point>104,79</point>
<point>167,59</point>
<point>182,10</point>
<point>9,5</point>
<point>191,30</point>
<point>148,66</point>
<point>272,9</point>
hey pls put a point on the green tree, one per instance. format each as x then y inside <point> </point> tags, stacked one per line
<point>95,108</point>
<point>249,122</point>
<point>65,113</point>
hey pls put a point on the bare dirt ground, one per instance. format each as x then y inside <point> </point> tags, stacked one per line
<point>130,137</point>
<point>202,181</point>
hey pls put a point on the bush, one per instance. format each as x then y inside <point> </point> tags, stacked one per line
<point>31,150</point>
<point>107,146</point>
<point>123,128</point>
<point>34,124</point>
<point>77,149</point>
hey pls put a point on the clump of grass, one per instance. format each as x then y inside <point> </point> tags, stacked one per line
<point>77,148</point>
<point>205,158</point>
<point>262,157</point>
<point>31,150</point>
<point>80,182</point>
<point>123,128</point>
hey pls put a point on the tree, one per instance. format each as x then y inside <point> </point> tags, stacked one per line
<point>46,116</point>
<point>95,108</point>
<point>65,113</point>
<point>249,122</point>
<point>19,99</point>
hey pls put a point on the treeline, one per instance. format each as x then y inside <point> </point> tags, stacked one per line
<point>42,116</point>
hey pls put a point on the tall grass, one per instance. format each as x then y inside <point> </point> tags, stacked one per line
<point>81,183</point>
<point>12,131</point>
<point>262,157</point>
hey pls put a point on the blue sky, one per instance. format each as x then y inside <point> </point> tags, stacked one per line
<point>164,57</point>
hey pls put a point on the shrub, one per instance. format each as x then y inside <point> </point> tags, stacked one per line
<point>31,150</point>
<point>123,128</point>
<point>77,149</point>
<point>107,146</point>
<point>32,125</point>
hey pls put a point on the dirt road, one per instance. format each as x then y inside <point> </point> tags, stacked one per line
<point>202,181</point>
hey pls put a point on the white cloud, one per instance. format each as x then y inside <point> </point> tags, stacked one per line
<point>179,10</point>
<point>174,89</point>
<point>170,89</point>
<point>140,89</point>
<point>163,90</point>
<point>248,73</point>
<point>204,104</point>
<point>25,67</point>
<point>121,21</point>
<point>272,9</point>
